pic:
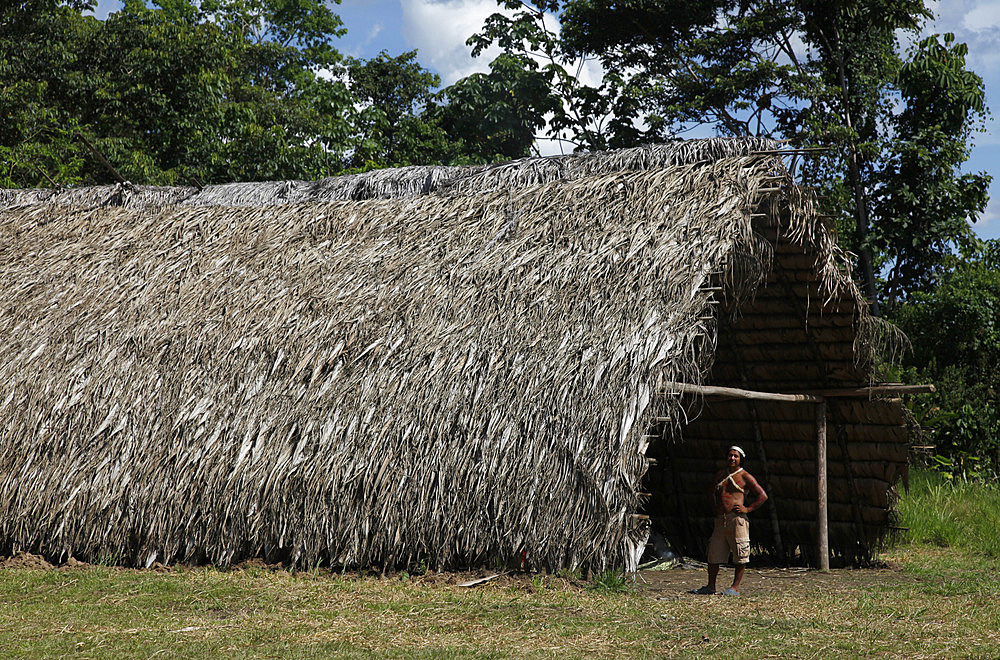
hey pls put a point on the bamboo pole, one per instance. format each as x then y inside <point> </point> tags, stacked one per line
<point>823,532</point>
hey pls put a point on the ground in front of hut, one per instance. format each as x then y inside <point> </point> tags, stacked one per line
<point>928,602</point>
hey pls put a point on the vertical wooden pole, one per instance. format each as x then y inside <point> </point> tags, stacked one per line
<point>863,557</point>
<point>678,502</point>
<point>823,532</point>
<point>772,509</point>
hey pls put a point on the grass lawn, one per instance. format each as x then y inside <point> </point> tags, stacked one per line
<point>932,601</point>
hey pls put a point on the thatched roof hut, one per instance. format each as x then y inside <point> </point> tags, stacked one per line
<point>450,365</point>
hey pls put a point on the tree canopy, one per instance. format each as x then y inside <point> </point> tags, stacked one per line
<point>216,91</point>
<point>819,74</point>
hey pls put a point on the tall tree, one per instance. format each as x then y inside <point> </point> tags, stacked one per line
<point>218,90</point>
<point>496,115</point>
<point>922,199</point>
<point>38,56</point>
<point>608,115</point>
<point>400,118</point>
<point>391,122</point>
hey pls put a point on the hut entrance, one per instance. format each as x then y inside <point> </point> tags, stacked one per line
<point>792,368</point>
<point>795,524</point>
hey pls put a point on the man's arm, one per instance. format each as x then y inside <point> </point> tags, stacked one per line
<point>751,487</point>
<point>754,487</point>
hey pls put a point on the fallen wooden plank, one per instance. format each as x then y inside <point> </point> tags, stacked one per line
<point>472,583</point>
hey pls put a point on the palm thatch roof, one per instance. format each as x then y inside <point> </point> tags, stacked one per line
<point>450,365</point>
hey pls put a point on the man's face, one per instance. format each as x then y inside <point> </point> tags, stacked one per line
<point>733,458</point>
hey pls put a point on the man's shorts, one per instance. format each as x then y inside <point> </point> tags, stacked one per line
<point>731,534</point>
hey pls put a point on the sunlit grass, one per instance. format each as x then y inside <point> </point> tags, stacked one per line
<point>942,601</point>
<point>957,514</point>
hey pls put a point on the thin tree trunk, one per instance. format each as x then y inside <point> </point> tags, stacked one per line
<point>854,176</point>
<point>861,223</point>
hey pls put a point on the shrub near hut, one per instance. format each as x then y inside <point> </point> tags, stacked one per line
<point>955,331</point>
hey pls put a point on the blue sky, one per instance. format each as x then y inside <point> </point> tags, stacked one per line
<point>437,29</point>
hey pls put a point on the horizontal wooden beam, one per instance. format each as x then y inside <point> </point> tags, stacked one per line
<point>736,393</point>
<point>876,389</point>
<point>814,396</point>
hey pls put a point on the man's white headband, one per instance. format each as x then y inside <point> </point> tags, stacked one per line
<point>739,451</point>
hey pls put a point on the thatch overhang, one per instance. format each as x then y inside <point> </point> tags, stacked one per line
<point>450,365</point>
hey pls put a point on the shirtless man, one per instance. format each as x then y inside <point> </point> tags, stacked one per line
<point>732,529</point>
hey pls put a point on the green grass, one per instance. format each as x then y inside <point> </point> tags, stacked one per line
<point>955,514</point>
<point>612,582</point>
<point>941,601</point>
<point>941,598</point>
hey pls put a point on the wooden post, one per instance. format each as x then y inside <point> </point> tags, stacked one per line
<point>823,532</point>
<point>772,509</point>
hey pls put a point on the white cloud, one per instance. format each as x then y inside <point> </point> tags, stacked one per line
<point>439,30</point>
<point>988,225</point>
<point>985,16</point>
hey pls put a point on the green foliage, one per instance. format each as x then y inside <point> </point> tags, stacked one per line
<point>222,90</point>
<point>393,126</point>
<point>957,513</point>
<point>611,582</point>
<point>609,115</point>
<point>36,62</point>
<point>233,90</point>
<point>924,203</point>
<point>399,118</point>
<point>496,115</point>
<point>962,467</point>
<point>955,332</point>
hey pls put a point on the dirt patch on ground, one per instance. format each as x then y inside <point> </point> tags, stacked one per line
<point>676,582</point>
<point>763,581</point>
<point>24,560</point>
